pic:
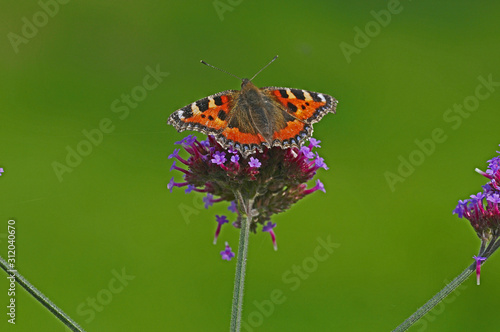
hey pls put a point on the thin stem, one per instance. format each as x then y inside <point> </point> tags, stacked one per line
<point>239,280</point>
<point>55,310</point>
<point>443,293</point>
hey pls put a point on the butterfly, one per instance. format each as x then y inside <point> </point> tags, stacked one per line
<point>253,118</point>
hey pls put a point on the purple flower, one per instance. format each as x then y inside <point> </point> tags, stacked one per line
<point>208,200</point>
<point>227,254</point>
<point>188,140</point>
<point>173,166</point>
<point>479,260</point>
<point>461,207</point>
<point>307,152</point>
<point>219,158</point>
<point>171,184</point>
<point>189,188</point>
<point>493,198</point>
<point>275,177</point>
<point>1,171</point>
<point>319,186</point>
<point>320,162</point>
<point>484,217</point>
<point>174,154</point>
<point>314,143</point>
<point>233,207</point>
<point>269,228</point>
<point>235,158</point>
<point>221,220</point>
<point>254,162</point>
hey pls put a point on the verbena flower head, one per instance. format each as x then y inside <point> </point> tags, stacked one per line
<point>482,209</point>
<point>275,178</point>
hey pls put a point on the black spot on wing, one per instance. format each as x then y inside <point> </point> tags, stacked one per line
<point>187,112</point>
<point>291,107</point>
<point>211,118</point>
<point>315,97</point>
<point>221,115</point>
<point>299,94</point>
<point>218,100</point>
<point>283,93</point>
<point>202,104</point>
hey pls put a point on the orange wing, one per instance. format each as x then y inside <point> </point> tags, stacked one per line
<point>208,115</point>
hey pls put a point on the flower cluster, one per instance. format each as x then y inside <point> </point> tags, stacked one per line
<point>273,179</point>
<point>482,209</point>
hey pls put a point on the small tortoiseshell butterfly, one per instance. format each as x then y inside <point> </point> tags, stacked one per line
<point>254,118</point>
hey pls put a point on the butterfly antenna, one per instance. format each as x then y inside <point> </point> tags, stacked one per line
<point>264,67</point>
<point>222,70</point>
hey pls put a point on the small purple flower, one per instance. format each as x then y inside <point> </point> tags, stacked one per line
<point>189,188</point>
<point>320,186</point>
<point>269,228</point>
<point>307,152</point>
<point>235,158</point>
<point>461,207</point>
<point>479,260</point>
<point>233,207</point>
<point>208,200</point>
<point>320,162</point>
<point>478,197</point>
<point>221,220</point>
<point>171,184</point>
<point>314,143</point>
<point>173,166</point>
<point>232,150</point>
<point>188,140</point>
<point>174,154</point>
<point>227,254</point>
<point>219,158</point>
<point>254,162</point>
<point>1,171</point>
<point>493,198</point>
<point>205,143</point>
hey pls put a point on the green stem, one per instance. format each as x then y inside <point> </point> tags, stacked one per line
<point>239,280</point>
<point>55,310</point>
<point>436,299</point>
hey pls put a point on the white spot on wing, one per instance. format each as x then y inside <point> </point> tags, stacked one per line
<point>290,94</point>
<point>321,97</point>
<point>195,108</point>
<point>211,103</point>
<point>307,96</point>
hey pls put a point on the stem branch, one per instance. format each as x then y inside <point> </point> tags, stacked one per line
<point>448,288</point>
<point>239,280</point>
<point>55,310</point>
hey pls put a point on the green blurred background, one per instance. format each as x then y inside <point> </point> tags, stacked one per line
<point>112,213</point>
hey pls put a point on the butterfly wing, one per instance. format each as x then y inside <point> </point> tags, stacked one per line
<point>303,108</point>
<point>208,115</point>
<point>307,106</point>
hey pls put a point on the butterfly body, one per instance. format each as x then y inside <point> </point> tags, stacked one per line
<point>254,118</point>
